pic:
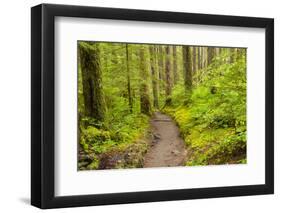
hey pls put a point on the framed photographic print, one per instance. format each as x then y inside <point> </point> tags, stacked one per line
<point>139,106</point>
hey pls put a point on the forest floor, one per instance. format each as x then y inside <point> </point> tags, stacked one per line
<point>167,147</point>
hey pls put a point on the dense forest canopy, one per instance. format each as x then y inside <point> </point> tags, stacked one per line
<point>121,86</point>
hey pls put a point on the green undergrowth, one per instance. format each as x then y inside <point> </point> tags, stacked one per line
<point>120,144</point>
<point>212,116</point>
<point>208,145</point>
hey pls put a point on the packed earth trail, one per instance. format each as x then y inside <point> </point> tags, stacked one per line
<point>167,147</point>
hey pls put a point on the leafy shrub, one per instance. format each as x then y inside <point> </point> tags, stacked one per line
<point>213,123</point>
<point>117,138</point>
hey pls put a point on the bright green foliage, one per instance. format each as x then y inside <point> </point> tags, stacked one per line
<point>121,127</point>
<point>118,137</point>
<point>203,89</point>
<point>212,118</point>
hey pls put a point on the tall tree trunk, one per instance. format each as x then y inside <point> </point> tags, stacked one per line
<point>234,55</point>
<point>92,81</point>
<point>187,67</point>
<point>198,58</point>
<point>219,50</point>
<point>202,57</point>
<point>161,66</point>
<point>168,87</point>
<point>129,80</point>
<point>205,56</point>
<point>240,52</point>
<point>211,54</point>
<point>161,62</point>
<point>154,76</point>
<point>228,54</point>
<point>175,68</point>
<point>194,68</point>
<point>114,58</point>
<point>145,106</point>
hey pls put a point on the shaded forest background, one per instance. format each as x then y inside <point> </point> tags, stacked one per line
<point>121,85</point>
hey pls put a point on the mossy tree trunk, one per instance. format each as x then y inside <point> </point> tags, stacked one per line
<point>201,57</point>
<point>194,67</point>
<point>92,81</point>
<point>154,76</point>
<point>168,86</point>
<point>234,55</point>
<point>114,55</point>
<point>198,58</point>
<point>129,80</point>
<point>175,65</point>
<point>161,67</point>
<point>211,54</point>
<point>187,67</point>
<point>145,106</point>
<point>240,52</point>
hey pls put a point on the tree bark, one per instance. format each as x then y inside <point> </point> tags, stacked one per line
<point>154,76</point>
<point>194,68</point>
<point>145,106</point>
<point>168,87</point>
<point>92,81</point>
<point>161,63</point>
<point>175,68</point>
<point>198,58</point>
<point>202,57</point>
<point>114,58</point>
<point>211,54</point>
<point>129,80</point>
<point>187,67</point>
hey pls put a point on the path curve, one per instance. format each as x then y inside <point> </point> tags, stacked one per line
<point>167,147</point>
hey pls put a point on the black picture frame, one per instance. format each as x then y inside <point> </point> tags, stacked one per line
<point>43,105</point>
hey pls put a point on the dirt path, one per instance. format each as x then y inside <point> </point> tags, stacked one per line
<point>167,147</point>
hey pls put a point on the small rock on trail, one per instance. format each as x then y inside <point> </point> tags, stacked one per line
<point>169,150</point>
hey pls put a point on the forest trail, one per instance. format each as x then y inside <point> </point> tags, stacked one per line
<point>167,147</point>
